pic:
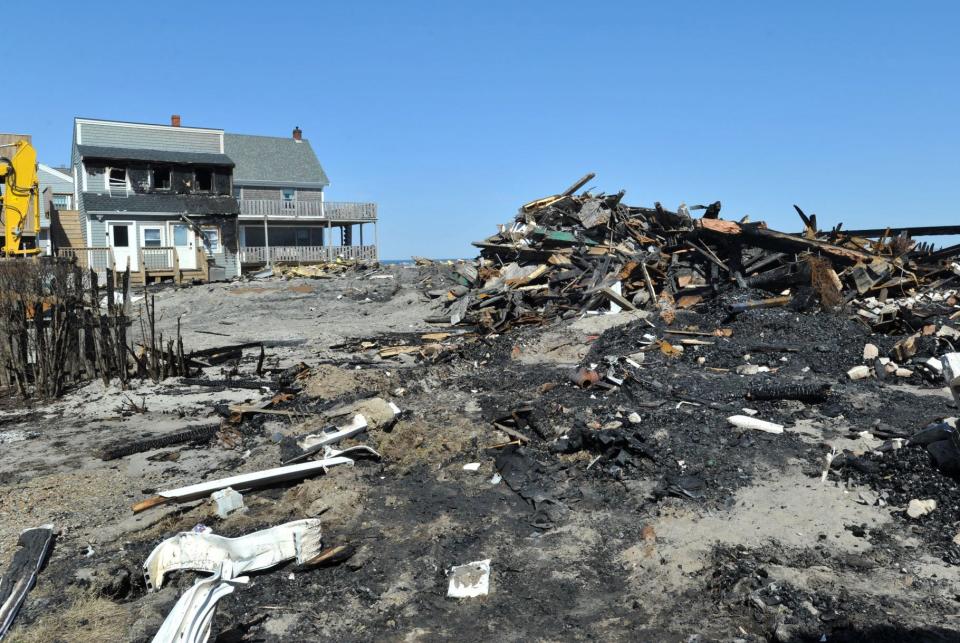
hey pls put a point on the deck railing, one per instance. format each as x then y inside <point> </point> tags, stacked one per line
<point>332,210</point>
<point>99,259</point>
<point>306,254</point>
<point>158,257</point>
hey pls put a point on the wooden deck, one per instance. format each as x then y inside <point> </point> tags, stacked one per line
<point>342,211</point>
<point>257,255</point>
<point>154,264</point>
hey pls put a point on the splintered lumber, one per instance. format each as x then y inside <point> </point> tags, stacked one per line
<point>772,240</point>
<point>617,298</point>
<point>561,254</point>
<point>241,482</point>
<point>253,408</point>
<point>393,351</point>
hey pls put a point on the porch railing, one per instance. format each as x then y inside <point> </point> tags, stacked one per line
<point>99,259</point>
<point>306,254</point>
<point>160,262</point>
<point>158,257</point>
<point>332,210</point>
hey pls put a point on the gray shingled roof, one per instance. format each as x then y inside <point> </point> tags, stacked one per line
<point>130,154</point>
<point>161,203</point>
<point>271,160</point>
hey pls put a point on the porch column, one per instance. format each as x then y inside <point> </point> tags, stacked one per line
<point>329,240</point>
<point>266,239</point>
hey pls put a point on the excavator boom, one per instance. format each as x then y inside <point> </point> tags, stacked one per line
<point>21,198</point>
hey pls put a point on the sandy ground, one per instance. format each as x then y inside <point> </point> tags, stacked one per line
<point>770,556</point>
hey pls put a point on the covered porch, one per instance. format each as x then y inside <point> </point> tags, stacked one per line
<point>301,242</point>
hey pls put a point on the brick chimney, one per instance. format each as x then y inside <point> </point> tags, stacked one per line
<point>175,120</point>
<point>297,133</point>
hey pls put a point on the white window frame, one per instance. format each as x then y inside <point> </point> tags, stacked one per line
<point>211,250</point>
<point>143,236</point>
<point>126,180</point>
<point>291,203</point>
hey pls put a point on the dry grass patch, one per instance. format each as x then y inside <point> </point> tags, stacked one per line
<point>85,619</point>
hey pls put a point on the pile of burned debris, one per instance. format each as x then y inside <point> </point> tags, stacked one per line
<point>567,254</point>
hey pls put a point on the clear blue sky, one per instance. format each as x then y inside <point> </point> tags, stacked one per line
<point>451,114</point>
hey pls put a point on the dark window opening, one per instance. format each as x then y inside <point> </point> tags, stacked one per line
<point>204,179</point>
<point>121,237</point>
<point>161,178</point>
<point>117,181</point>
<point>254,236</point>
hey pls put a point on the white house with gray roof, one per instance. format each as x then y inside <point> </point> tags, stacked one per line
<point>284,217</point>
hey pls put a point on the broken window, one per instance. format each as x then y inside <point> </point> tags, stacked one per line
<point>161,178</point>
<point>117,181</point>
<point>211,239</point>
<point>204,179</point>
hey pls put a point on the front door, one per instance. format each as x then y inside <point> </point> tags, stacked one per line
<point>184,242</point>
<point>124,249</point>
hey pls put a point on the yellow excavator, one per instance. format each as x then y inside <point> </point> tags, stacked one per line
<point>20,202</point>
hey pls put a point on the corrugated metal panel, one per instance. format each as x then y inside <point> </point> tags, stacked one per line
<point>174,139</point>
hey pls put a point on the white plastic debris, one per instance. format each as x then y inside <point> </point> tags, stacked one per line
<point>228,501</point>
<point>858,372</point>
<point>949,332</point>
<point>870,352</point>
<point>756,424</point>
<point>935,365</point>
<point>206,552</point>
<point>470,580</point>
<point>918,508</point>
<point>951,365</point>
<point>471,466</point>
<point>189,620</point>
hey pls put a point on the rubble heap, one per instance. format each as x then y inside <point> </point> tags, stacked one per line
<point>567,254</point>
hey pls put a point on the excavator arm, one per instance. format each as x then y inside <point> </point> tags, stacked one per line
<point>21,190</point>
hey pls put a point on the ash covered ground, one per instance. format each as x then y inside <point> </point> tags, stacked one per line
<point>628,511</point>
